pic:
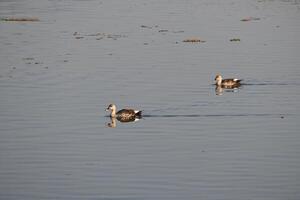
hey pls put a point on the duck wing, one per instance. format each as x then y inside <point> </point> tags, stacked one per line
<point>128,115</point>
<point>231,81</point>
<point>125,113</point>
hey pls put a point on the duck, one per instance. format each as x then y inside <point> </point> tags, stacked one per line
<point>124,115</point>
<point>227,83</point>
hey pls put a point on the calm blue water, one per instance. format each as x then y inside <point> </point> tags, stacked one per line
<point>58,75</point>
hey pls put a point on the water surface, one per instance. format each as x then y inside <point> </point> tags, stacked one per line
<point>58,75</point>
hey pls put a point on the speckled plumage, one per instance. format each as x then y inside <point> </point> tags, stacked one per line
<point>230,82</point>
<point>124,115</point>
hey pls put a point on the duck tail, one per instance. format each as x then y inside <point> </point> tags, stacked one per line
<point>139,114</point>
<point>237,80</point>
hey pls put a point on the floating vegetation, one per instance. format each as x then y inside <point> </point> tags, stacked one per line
<point>163,30</point>
<point>144,26</point>
<point>20,19</point>
<point>235,40</point>
<point>28,58</point>
<point>178,31</point>
<point>250,19</point>
<point>193,40</point>
<point>98,36</point>
<point>79,37</point>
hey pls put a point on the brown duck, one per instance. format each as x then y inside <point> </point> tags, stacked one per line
<point>124,115</point>
<point>227,83</point>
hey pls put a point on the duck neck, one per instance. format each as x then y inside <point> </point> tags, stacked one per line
<point>219,82</point>
<point>113,113</point>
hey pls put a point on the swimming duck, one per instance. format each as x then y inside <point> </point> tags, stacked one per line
<point>231,82</point>
<point>124,115</point>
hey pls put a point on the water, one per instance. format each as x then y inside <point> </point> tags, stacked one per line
<point>58,75</point>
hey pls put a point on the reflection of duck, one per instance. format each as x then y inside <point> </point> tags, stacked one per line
<point>113,123</point>
<point>227,83</point>
<point>124,115</point>
<point>220,89</point>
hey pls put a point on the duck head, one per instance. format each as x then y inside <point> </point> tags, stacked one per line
<point>218,79</point>
<point>112,108</point>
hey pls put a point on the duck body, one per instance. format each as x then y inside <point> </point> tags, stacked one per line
<point>227,83</point>
<point>124,115</point>
<point>128,113</point>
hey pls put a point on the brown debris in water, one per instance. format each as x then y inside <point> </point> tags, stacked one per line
<point>20,19</point>
<point>163,30</point>
<point>178,31</point>
<point>193,40</point>
<point>98,36</point>
<point>28,58</point>
<point>144,26</point>
<point>79,37</point>
<point>235,40</point>
<point>250,19</point>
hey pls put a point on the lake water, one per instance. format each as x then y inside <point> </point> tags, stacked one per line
<point>58,75</point>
